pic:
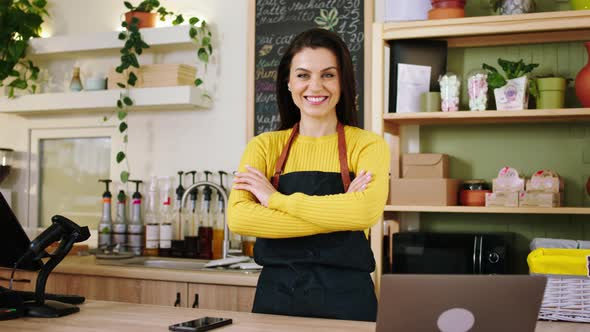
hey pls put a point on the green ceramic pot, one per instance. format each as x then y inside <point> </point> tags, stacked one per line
<point>551,92</point>
<point>430,102</point>
<point>580,4</point>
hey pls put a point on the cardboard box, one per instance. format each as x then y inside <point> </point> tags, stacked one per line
<point>502,199</point>
<point>546,181</point>
<point>439,192</point>
<point>425,165</point>
<point>540,199</point>
<point>158,75</point>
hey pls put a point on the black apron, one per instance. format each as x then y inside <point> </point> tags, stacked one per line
<point>324,275</point>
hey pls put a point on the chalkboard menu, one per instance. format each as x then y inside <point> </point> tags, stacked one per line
<point>278,22</point>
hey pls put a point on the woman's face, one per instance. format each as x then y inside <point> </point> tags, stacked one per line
<point>314,82</point>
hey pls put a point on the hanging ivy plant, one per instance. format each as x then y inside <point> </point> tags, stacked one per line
<point>20,20</point>
<point>134,46</point>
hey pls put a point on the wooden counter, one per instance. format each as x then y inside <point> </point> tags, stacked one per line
<point>86,265</point>
<point>97,316</point>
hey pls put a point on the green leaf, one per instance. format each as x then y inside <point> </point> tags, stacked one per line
<point>19,84</point>
<point>128,5</point>
<point>40,3</point>
<point>14,73</point>
<point>193,20</point>
<point>120,157</point>
<point>124,176</point>
<point>105,119</point>
<point>210,49</point>
<point>119,103</point>
<point>122,127</point>
<point>121,115</point>
<point>179,20</point>
<point>206,41</point>
<point>127,101</point>
<point>203,55</point>
<point>192,32</point>
<point>132,79</point>
<point>122,36</point>
<point>198,82</point>
<point>121,85</point>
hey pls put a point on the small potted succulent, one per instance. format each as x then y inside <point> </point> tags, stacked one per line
<point>512,7</point>
<point>511,90</point>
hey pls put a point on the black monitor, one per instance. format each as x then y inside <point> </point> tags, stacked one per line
<point>14,242</point>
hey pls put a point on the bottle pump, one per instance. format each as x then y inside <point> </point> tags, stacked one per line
<point>152,226</point>
<point>106,221</point>
<point>120,225</point>
<point>178,227</point>
<point>135,227</point>
<point>218,221</point>
<point>206,229</point>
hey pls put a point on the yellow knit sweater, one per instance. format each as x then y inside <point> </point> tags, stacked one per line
<point>299,214</point>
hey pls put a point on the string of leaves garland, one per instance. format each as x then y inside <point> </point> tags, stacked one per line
<point>20,20</point>
<point>134,46</point>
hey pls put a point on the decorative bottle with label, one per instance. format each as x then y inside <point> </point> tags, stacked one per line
<point>76,83</point>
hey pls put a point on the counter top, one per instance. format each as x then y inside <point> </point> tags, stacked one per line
<point>97,316</point>
<point>87,265</point>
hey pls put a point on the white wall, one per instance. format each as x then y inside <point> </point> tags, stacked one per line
<point>160,142</point>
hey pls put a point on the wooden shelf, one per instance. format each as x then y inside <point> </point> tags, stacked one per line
<point>166,98</point>
<point>74,45</point>
<point>483,209</point>
<point>560,26</point>
<point>468,117</point>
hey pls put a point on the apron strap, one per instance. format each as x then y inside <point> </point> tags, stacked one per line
<point>344,170</point>
<point>280,166</point>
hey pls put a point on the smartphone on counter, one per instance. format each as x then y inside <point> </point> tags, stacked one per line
<point>200,324</point>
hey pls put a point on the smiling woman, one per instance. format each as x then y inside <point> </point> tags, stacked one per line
<point>310,190</point>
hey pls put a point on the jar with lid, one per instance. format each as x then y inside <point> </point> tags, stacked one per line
<point>477,89</point>
<point>450,85</point>
<point>474,185</point>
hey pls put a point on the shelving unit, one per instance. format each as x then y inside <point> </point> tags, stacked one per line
<point>97,44</point>
<point>483,209</point>
<point>534,28</point>
<point>72,46</point>
<point>174,97</point>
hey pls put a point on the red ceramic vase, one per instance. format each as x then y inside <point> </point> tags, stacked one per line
<point>583,81</point>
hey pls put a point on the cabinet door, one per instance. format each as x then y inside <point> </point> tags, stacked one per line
<point>23,280</point>
<point>120,289</point>
<point>220,297</point>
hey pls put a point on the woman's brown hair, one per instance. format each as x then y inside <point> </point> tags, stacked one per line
<point>317,38</point>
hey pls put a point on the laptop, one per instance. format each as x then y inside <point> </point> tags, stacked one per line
<point>459,303</point>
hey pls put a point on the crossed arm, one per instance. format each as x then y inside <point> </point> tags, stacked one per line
<point>257,209</point>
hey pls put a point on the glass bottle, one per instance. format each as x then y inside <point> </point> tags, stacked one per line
<point>76,83</point>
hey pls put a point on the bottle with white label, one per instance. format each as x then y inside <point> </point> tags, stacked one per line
<point>152,225</point>
<point>135,226</point>
<point>167,217</point>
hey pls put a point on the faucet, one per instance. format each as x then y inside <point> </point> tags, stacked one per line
<point>223,194</point>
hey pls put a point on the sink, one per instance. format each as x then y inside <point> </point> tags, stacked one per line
<point>168,263</point>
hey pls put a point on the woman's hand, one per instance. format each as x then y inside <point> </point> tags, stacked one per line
<point>360,182</point>
<point>255,182</point>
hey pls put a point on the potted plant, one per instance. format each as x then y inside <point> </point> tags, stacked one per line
<point>143,12</point>
<point>19,22</point>
<point>133,46</point>
<point>512,7</point>
<point>551,91</point>
<point>512,89</point>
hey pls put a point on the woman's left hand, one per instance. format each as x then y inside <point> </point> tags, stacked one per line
<point>255,182</point>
